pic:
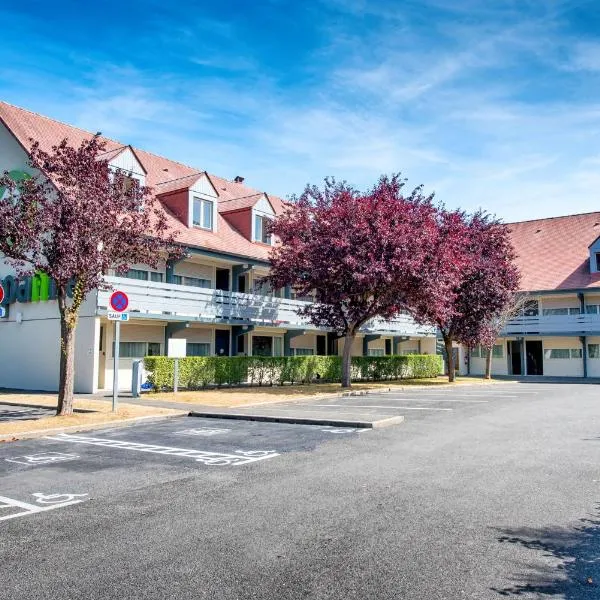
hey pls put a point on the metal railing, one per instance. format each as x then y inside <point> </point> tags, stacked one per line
<point>168,300</point>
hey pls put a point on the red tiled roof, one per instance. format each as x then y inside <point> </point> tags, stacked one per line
<point>161,175</point>
<point>173,185</point>
<point>554,253</point>
<point>226,206</point>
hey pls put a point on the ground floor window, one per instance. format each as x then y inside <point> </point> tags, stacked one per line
<point>197,349</point>
<point>137,349</point>
<point>304,351</point>
<point>376,352</point>
<point>266,345</point>
<point>563,353</point>
<point>481,352</point>
<point>262,345</point>
<point>594,350</point>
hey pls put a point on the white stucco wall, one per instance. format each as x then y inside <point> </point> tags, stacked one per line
<point>130,332</point>
<point>562,367</point>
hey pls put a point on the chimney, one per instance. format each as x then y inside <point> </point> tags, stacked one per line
<point>239,179</point>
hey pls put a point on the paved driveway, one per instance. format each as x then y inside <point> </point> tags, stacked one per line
<point>495,498</point>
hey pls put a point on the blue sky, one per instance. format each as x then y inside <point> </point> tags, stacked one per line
<point>491,104</point>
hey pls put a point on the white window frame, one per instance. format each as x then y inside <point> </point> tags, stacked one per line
<point>202,222</point>
<point>259,229</point>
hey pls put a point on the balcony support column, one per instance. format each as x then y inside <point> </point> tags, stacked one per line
<point>398,339</point>
<point>288,336</point>
<point>366,340</point>
<point>236,271</point>
<point>170,269</point>
<point>236,332</point>
<point>583,340</point>
<point>172,328</point>
<point>523,357</point>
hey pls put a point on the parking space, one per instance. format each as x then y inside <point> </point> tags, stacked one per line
<point>413,404</point>
<point>12,412</point>
<point>65,469</point>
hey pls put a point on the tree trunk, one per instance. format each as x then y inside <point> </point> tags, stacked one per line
<point>347,359</point>
<point>68,321</point>
<point>449,358</point>
<point>488,363</point>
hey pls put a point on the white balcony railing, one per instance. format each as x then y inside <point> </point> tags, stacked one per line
<point>168,300</point>
<point>560,324</point>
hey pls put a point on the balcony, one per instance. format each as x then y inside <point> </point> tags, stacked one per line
<point>183,303</point>
<point>582,324</point>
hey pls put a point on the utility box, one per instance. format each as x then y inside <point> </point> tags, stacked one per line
<point>136,377</point>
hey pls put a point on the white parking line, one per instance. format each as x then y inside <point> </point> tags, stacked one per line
<point>399,407</point>
<point>436,400</point>
<point>238,457</point>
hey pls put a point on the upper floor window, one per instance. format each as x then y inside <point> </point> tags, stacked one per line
<point>261,229</point>
<point>143,275</point>
<point>597,261</point>
<point>203,213</point>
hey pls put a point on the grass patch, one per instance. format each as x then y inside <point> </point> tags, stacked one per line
<point>247,396</point>
<point>102,413</point>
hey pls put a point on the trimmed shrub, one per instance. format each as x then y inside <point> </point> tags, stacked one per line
<point>196,372</point>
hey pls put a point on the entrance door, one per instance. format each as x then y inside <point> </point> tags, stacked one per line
<point>535,358</point>
<point>514,358</point>
<point>321,345</point>
<point>222,280</point>
<point>222,342</point>
<point>262,345</point>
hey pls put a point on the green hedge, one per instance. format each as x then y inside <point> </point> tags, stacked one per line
<point>202,371</point>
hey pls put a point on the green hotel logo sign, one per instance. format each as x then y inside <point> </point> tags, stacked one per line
<point>38,288</point>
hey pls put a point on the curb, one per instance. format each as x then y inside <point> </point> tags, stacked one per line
<point>301,420</point>
<point>46,406</point>
<point>28,435</point>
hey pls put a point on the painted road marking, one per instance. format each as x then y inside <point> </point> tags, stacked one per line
<point>369,406</point>
<point>435,400</point>
<point>202,431</point>
<point>49,502</point>
<point>341,430</point>
<point>43,458</point>
<point>238,457</point>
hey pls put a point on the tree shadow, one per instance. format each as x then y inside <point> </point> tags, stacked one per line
<point>577,552</point>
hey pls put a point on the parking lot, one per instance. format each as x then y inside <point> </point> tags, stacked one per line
<point>482,492</point>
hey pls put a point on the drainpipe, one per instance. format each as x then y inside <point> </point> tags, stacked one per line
<point>583,340</point>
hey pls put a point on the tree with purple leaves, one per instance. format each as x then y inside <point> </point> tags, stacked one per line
<point>74,220</point>
<point>485,286</point>
<point>362,255</point>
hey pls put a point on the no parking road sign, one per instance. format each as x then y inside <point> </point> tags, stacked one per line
<point>119,301</point>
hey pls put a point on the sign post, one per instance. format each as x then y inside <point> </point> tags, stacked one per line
<point>176,349</point>
<point>119,303</point>
<point>2,309</point>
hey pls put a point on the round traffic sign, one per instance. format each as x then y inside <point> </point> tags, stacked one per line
<point>1,293</point>
<point>119,301</point>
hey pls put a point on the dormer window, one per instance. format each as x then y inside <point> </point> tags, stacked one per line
<point>261,229</point>
<point>597,257</point>
<point>203,213</point>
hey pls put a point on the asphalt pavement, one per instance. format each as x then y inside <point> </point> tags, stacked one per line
<point>482,492</point>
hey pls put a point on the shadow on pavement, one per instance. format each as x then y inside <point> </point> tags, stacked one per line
<point>576,553</point>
